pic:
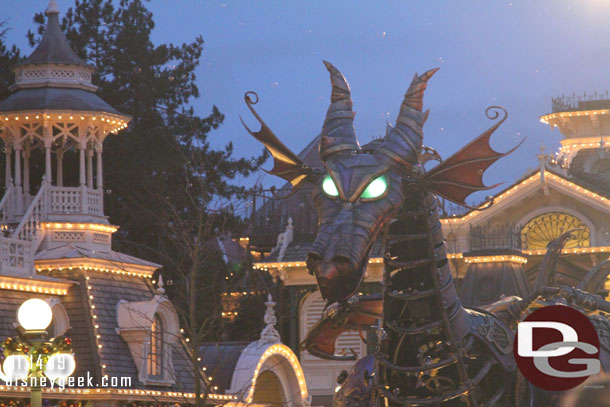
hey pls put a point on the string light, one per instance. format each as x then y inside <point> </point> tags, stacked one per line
<point>120,393</point>
<point>42,287</point>
<point>534,179</point>
<point>495,259</point>
<point>287,354</point>
<point>96,267</point>
<point>117,122</point>
<point>548,118</point>
<point>84,226</point>
<point>96,332</point>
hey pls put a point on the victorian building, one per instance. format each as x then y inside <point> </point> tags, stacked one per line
<point>56,245</point>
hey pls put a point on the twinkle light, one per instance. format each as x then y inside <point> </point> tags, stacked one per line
<point>85,226</point>
<point>286,353</point>
<point>42,287</point>
<point>292,264</point>
<point>119,394</point>
<point>95,267</point>
<point>495,259</point>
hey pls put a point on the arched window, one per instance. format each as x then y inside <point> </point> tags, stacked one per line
<point>155,356</point>
<point>538,232</point>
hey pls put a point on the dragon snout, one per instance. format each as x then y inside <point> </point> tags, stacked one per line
<point>333,276</point>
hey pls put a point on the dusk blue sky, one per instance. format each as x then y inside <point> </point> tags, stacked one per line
<point>515,54</point>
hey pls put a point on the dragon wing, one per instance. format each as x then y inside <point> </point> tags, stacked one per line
<point>462,174</point>
<point>286,164</point>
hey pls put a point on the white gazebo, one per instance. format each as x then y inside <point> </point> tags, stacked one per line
<point>52,110</point>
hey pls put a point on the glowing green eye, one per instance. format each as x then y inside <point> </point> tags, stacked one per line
<point>376,188</point>
<point>328,185</point>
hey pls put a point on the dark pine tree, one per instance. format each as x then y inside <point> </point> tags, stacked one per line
<point>8,58</point>
<point>171,192</point>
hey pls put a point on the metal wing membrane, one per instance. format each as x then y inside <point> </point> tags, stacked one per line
<point>286,164</point>
<point>462,174</point>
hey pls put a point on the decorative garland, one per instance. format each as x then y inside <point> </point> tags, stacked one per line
<point>152,404</point>
<point>38,354</point>
<point>7,402</point>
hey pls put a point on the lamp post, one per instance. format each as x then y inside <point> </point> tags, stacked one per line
<point>29,355</point>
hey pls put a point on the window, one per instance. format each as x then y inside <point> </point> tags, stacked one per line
<point>538,232</point>
<point>155,357</point>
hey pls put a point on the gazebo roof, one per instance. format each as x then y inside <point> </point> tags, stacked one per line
<point>55,99</point>
<point>53,48</point>
<point>54,78</point>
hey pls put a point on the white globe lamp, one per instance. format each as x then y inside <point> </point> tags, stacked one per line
<point>16,367</point>
<point>35,315</point>
<point>59,367</point>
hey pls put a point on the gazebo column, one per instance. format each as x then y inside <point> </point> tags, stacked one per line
<point>98,161</point>
<point>81,151</point>
<point>26,169</point>
<point>48,141</point>
<point>90,168</point>
<point>8,178</point>
<point>59,154</point>
<point>18,189</point>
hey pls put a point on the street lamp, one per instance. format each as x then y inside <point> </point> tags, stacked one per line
<point>29,355</point>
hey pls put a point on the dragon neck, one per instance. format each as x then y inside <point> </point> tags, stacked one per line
<point>422,316</point>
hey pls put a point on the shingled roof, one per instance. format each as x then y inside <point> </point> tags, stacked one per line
<point>219,359</point>
<point>107,290</point>
<point>102,291</point>
<point>55,99</point>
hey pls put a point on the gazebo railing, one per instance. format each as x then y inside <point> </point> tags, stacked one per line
<point>75,200</point>
<point>6,204</point>
<point>30,223</point>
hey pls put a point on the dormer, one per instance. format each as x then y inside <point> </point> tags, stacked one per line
<point>150,328</point>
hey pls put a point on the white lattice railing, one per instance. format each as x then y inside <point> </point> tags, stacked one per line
<point>30,223</point>
<point>95,202</point>
<point>16,256</point>
<point>75,200</point>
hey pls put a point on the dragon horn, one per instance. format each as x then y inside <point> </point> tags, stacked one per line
<point>404,142</point>
<point>338,132</point>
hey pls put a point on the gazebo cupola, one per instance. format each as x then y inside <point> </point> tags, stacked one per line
<point>53,108</point>
<point>52,115</point>
<point>584,123</point>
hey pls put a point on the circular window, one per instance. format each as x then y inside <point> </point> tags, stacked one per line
<point>538,232</point>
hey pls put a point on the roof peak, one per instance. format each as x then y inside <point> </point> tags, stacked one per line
<point>52,8</point>
<point>53,48</point>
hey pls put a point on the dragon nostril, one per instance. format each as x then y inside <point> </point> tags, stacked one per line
<point>342,260</point>
<point>312,256</point>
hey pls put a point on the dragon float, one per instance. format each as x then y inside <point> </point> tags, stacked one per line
<point>431,351</point>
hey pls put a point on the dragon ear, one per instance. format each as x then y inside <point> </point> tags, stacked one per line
<point>286,164</point>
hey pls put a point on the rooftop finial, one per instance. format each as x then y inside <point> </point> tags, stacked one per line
<point>160,285</point>
<point>52,9</point>
<point>269,334</point>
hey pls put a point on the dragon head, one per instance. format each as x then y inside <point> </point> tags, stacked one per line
<point>362,188</point>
